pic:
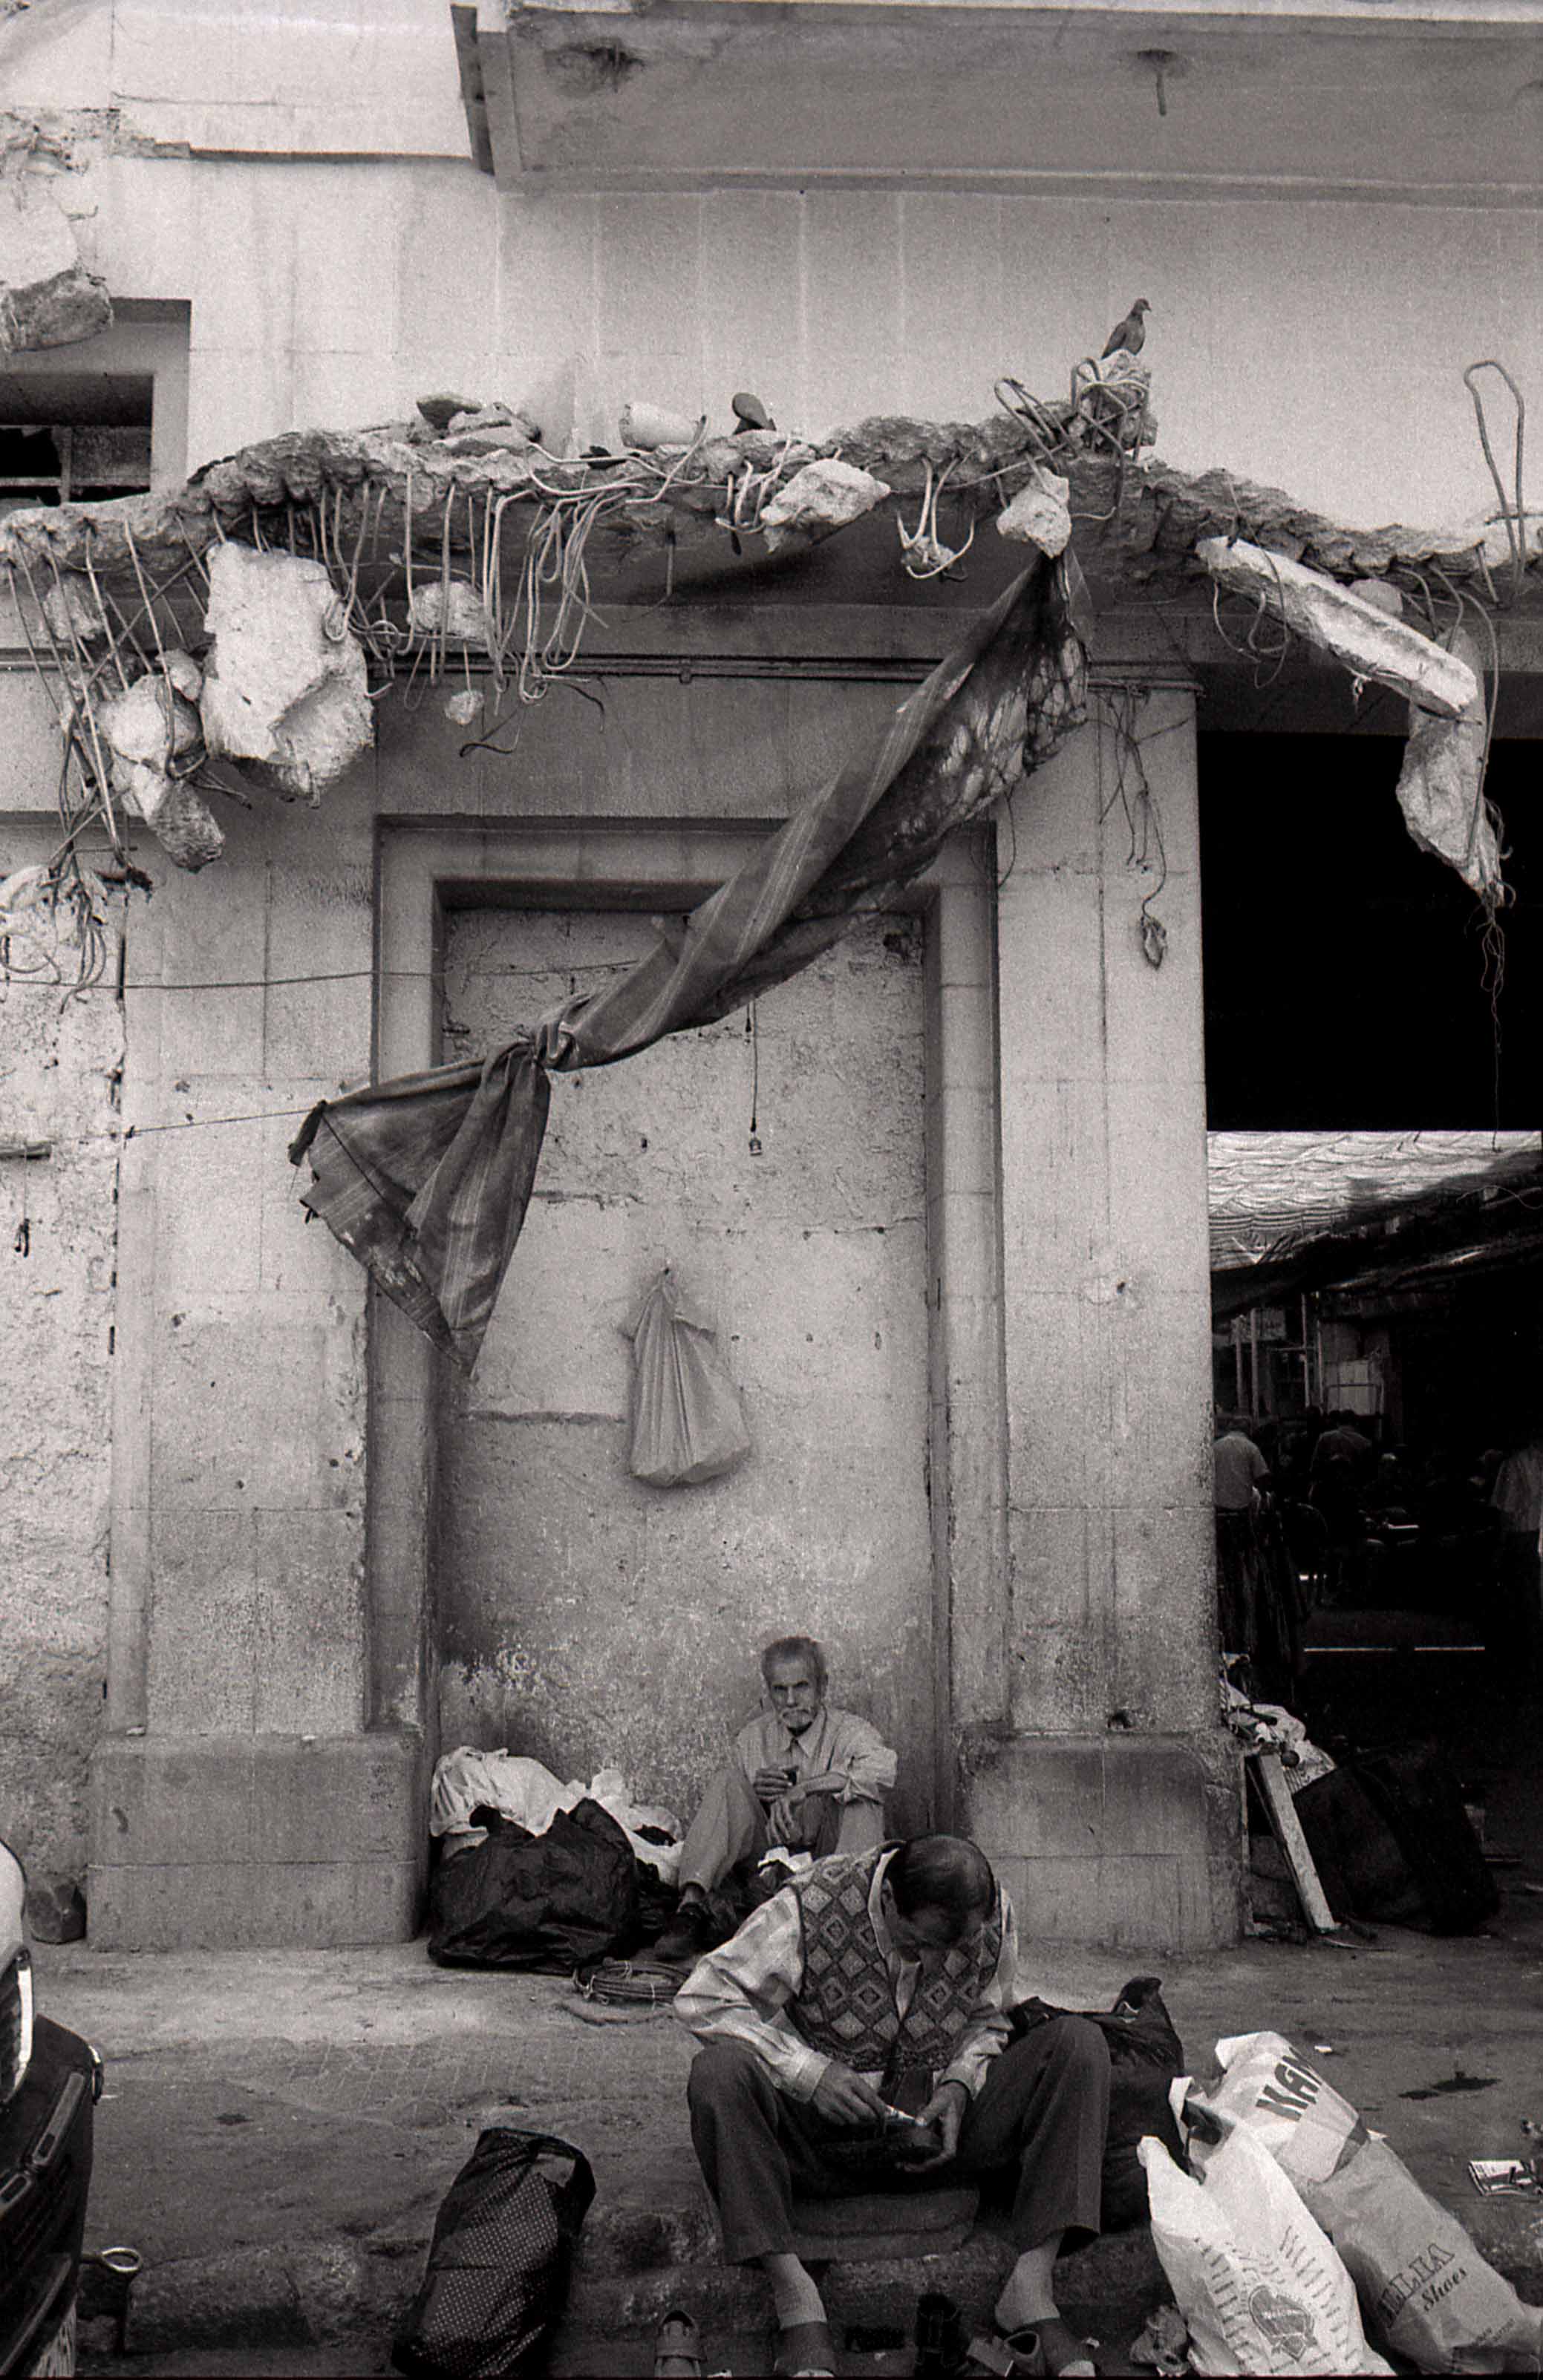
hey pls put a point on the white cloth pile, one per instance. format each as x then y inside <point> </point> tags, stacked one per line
<point>526,1792</point>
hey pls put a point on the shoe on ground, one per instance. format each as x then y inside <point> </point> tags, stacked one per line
<point>940,2336</point>
<point>689,1933</point>
<point>1056,2348</point>
<point>677,2347</point>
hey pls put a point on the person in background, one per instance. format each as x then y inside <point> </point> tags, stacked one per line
<point>1260,1599</point>
<point>1240,1475</point>
<point>1517,1500</point>
<point>877,1983</point>
<point>1344,1443</point>
<point>802,1774</point>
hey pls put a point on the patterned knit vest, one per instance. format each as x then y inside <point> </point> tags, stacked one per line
<point>846,2006</point>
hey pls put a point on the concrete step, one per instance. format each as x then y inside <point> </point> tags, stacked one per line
<point>622,2285</point>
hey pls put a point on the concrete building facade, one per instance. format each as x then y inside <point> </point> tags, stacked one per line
<point>963,1279</point>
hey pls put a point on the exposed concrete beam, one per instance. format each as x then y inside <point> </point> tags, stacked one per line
<point>1020,95</point>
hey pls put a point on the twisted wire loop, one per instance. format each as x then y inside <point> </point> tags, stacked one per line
<point>1133,794</point>
<point>1512,508</point>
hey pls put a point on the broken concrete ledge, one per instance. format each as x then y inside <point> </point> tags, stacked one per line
<point>1140,520</point>
<point>1358,633</point>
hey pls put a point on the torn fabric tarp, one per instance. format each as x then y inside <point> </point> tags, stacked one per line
<point>425,1179</point>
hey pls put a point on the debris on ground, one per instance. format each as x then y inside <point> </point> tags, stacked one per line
<point>55,1909</point>
<point>1454,2082</point>
<point>1504,2177</point>
<point>1162,2343</point>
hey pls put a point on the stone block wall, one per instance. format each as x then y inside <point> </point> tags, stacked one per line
<point>60,1069</point>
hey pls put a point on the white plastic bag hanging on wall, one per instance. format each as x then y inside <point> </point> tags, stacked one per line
<point>688,1424</point>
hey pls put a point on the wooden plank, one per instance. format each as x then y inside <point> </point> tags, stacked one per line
<point>496,53</point>
<point>474,98</point>
<point>1286,1827</point>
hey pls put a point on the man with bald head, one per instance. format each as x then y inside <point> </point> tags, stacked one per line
<point>878,1982</point>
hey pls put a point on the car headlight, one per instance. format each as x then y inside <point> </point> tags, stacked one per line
<point>16,2023</point>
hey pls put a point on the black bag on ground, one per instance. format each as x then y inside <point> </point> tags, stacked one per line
<point>548,1901</point>
<point>1144,2054</point>
<point>1361,1869</point>
<point>1392,1840</point>
<point>497,2278</point>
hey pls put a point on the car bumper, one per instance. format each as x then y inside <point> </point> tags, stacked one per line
<point>45,2169</point>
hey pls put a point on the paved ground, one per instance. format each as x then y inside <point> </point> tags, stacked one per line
<point>279,2128</point>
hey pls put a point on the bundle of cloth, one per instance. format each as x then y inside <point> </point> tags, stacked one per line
<point>527,1793</point>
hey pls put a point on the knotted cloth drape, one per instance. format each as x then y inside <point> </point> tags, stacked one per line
<point>425,1179</point>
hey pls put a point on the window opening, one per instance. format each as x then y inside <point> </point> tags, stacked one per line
<point>73,438</point>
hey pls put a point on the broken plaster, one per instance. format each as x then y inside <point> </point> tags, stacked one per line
<point>1362,635</point>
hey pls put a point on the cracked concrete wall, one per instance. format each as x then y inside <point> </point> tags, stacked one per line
<point>562,1581</point>
<point>242,1466</point>
<point>59,1073</point>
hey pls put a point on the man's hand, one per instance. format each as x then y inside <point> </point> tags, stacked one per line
<point>944,2113</point>
<point>783,1823</point>
<point>769,1785</point>
<point>845,2098</point>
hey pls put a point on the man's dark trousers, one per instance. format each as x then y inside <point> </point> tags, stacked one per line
<point>1041,2116</point>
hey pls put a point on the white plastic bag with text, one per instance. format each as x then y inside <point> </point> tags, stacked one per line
<point>1426,2292</point>
<point>1260,2286</point>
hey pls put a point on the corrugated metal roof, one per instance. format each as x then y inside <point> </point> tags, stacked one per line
<point>1272,1191</point>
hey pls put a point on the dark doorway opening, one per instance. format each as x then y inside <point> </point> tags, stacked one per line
<point>1350,991</point>
<point>1344,970</point>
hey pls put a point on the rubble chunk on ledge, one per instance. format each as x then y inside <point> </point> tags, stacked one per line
<point>1362,635</point>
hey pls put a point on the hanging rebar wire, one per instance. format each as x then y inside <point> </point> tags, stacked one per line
<point>1515,521</point>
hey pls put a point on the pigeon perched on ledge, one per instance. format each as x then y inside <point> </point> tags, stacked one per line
<point>1131,333</point>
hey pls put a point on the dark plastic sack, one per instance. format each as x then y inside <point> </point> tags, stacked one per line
<point>1392,1840</point>
<point>688,1424</point>
<point>497,2278</point>
<point>1144,2054</point>
<point>1363,1872</point>
<point>547,1901</point>
<point>1420,1801</point>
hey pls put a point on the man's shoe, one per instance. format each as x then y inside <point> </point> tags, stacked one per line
<point>1056,2348</point>
<point>940,2334</point>
<point>689,1933</point>
<point>677,2347</point>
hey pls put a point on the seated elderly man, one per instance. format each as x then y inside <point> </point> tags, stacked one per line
<point>877,1982</point>
<point>802,1774</point>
